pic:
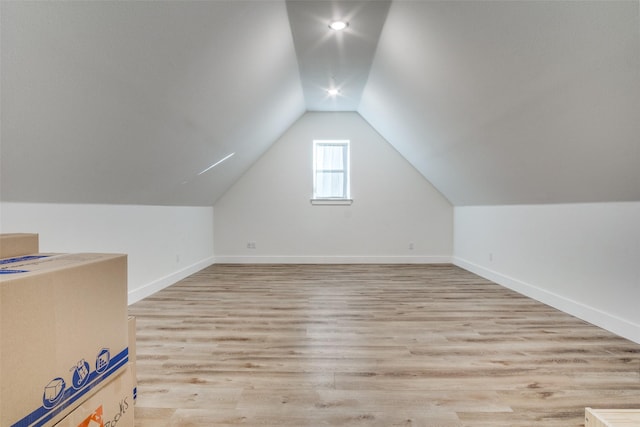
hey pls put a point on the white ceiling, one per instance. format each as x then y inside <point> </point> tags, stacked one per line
<point>126,102</point>
<point>509,102</point>
<point>494,102</point>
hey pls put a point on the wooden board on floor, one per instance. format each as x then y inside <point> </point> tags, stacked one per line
<point>612,417</point>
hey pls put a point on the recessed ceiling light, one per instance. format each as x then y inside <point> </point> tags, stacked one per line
<point>333,92</point>
<point>338,25</point>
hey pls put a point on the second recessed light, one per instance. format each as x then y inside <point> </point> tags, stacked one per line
<point>338,25</point>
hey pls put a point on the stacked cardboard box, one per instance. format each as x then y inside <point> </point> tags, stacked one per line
<point>112,406</point>
<point>63,335</point>
<point>132,356</point>
<point>17,244</point>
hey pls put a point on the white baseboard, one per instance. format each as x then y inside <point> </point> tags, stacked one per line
<point>159,284</point>
<point>333,259</point>
<point>612,323</point>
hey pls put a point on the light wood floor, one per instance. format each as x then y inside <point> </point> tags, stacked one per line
<point>369,345</point>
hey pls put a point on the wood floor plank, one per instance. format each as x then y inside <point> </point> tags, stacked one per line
<point>371,345</point>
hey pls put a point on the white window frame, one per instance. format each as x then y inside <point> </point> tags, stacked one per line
<point>345,199</point>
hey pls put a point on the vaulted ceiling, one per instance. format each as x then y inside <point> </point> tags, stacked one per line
<point>493,102</point>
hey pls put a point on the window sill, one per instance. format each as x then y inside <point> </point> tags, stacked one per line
<point>338,202</point>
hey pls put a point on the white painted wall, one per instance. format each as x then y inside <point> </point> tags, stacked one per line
<point>393,204</point>
<point>164,243</point>
<point>581,258</point>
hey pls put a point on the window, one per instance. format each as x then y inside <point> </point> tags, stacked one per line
<point>331,170</point>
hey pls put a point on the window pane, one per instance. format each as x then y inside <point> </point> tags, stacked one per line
<point>330,157</point>
<point>330,184</point>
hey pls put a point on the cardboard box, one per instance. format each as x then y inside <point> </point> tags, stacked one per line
<point>110,407</point>
<point>63,333</point>
<point>132,356</point>
<point>18,244</point>
<point>611,417</point>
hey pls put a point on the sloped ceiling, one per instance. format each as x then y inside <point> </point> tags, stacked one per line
<point>127,102</point>
<point>493,102</point>
<point>513,101</point>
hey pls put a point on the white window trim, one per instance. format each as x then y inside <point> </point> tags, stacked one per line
<point>333,200</point>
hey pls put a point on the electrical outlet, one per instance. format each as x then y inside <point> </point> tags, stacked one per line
<point>490,256</point>
<point>411,246</point>
<point>251,245</point>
